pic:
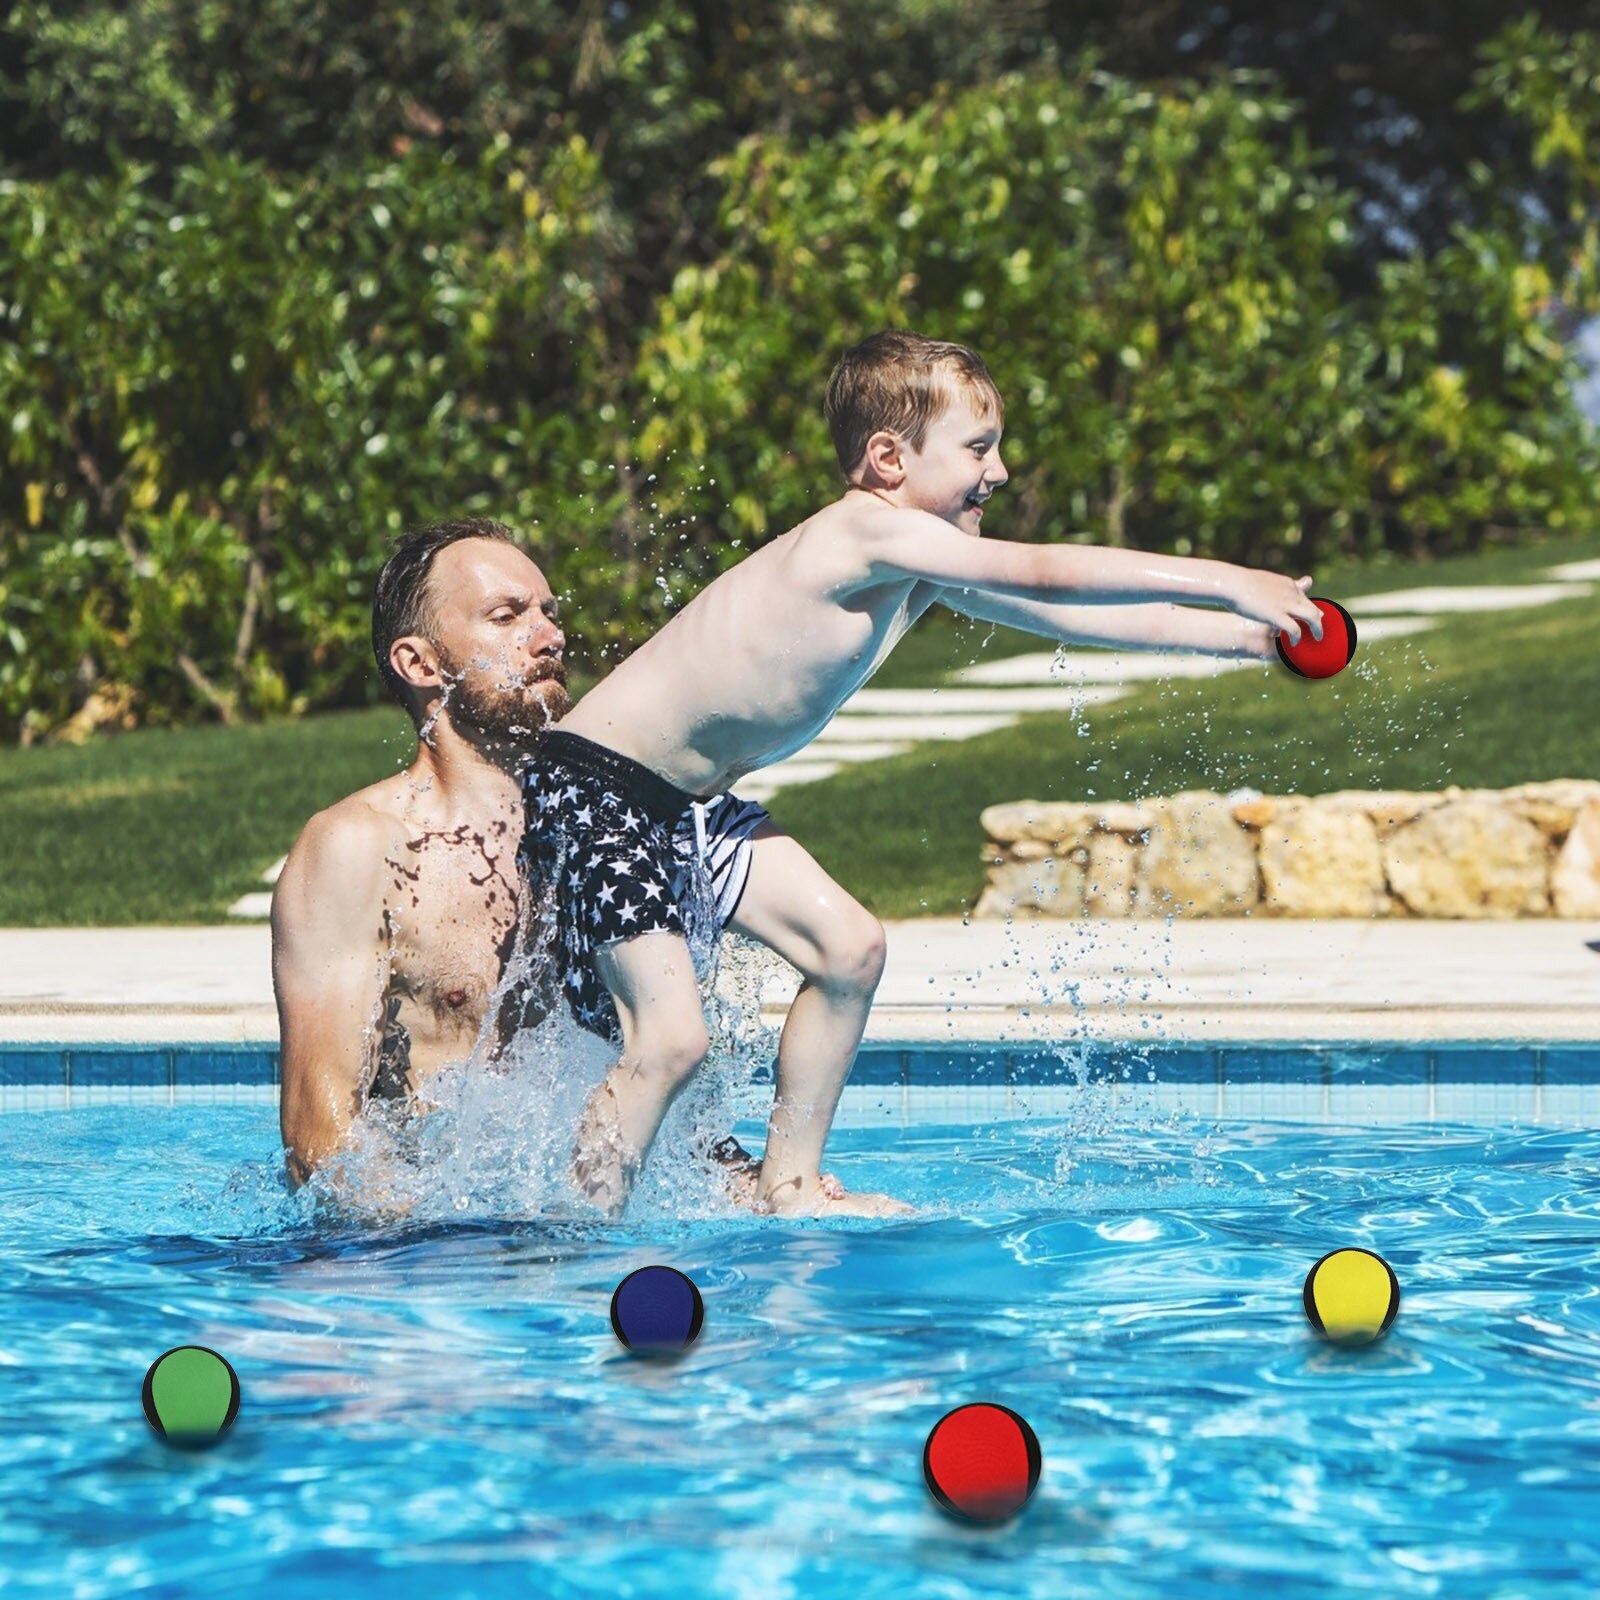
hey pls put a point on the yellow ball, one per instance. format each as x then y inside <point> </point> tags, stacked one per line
<point>1351,1296</point>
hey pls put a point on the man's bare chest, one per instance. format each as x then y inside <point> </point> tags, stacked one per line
<point>451,910</point>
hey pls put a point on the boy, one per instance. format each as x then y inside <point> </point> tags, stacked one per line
<point>748,673</point>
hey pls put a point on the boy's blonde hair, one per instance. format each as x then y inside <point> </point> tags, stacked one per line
<point>904,382</point>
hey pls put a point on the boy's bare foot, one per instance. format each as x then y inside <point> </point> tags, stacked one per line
<point>741,1178</point>
<point>845,1204</point>
<point>603,1167</point>
<point>830,1198</point>
<point>741,1181</point>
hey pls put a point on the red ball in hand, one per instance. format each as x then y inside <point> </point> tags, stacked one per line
<point>1332,653</point>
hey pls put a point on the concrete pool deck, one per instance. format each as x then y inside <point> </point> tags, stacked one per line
<point>1204,980</point>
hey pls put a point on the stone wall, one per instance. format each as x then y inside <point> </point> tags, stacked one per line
<point>1533,851</point>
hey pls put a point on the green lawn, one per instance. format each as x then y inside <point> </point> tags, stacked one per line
<point>171,826</point>
<point>1477,700</point>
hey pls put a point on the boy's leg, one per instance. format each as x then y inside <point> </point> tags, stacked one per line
<point>793,907</point>
<point>652,981</point>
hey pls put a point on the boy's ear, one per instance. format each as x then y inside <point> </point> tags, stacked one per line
<point>884,459</point>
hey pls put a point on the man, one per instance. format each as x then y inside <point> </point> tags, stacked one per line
<point>397,907</point>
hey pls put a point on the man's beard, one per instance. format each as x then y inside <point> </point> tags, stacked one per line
<point>513,712</point>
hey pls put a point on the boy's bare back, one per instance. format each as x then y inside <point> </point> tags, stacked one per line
<point>758,662</point>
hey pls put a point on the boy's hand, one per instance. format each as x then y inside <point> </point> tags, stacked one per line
<point>1279,602</point>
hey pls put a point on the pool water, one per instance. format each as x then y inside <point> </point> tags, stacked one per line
<point>442,1409</point>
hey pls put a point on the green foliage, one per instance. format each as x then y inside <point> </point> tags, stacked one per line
<point>1549,82</point>
<point>268,380</point>
<point>1153,280</point>
<point>278,280</point>
<point>658,82</point>
<point>1474,431</point>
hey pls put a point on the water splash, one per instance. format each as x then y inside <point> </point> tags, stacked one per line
<point>492,1137</point>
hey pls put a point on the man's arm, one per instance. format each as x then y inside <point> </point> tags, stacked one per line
<point>1160,627</point>
<point>327,975</point>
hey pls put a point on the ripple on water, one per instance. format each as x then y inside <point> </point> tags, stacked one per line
<point>441,1399</point>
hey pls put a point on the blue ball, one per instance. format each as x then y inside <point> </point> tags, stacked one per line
<point>657,1311</point>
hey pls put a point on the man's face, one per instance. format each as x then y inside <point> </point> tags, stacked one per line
<point>958,466</point>
<point>498,641</point>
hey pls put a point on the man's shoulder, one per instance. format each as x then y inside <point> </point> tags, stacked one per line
<point>359,823</point>
<point>340,853</point>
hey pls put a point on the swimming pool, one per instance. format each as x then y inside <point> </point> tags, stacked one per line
<point>442,1408</point>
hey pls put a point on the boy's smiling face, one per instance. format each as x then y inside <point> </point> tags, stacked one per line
<point>958,466</point>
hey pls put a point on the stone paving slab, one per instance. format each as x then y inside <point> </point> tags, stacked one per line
<point>1107,671</point>
<point>1207,978</point>
<point>1011,702</point>
<point>825,749</point>
<point>761,786</point>
<point>1474,597</point>
<point>931,725</point>
<point>1575,572</point>
<point>1243,978</point>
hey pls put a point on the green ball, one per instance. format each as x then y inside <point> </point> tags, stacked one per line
<point>191,1396</point>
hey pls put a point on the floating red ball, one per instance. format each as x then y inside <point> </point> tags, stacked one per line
<point>982,1462</point>
<point>1332,653</point>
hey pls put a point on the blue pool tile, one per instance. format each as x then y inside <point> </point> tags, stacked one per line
<point>1565,1064</point>
<point>1185,1064</point>
<point>942,1068</point>
<point>34,1097</point>
<point>117,1068</point>
<point>213,1064</point>
<point>1243,1064</point>
<point>876,1067</point>
<point>44,1066</point>
<point>1121,1063</point>
<point>1038,1066</point>
<point>1341,1066</point>
<point>1483,1063</point>
<point>1377,1066</point>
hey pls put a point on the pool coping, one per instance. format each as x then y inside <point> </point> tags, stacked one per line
<point>1204,981</point>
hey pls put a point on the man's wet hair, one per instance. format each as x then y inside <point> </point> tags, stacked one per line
<point>904,382</point>
<point>403,601</point>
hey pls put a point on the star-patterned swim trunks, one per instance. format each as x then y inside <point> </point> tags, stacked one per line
<point>618,851</point>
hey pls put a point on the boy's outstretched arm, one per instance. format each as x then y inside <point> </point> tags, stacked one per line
<point>900,542</point>
<point>1160,626</point>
